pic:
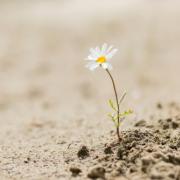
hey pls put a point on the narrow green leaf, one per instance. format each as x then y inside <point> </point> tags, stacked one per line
<point>110,115</point>
<point>126,113</point>
<point>122,98</point>
<point>111,104</point>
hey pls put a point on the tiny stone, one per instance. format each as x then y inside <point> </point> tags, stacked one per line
<point>150,150</point>
<point>172,146</point>
<point>169,120</point>
<point>75,171</point>
<point>132,170</point>
<point>159,106</point>
<point>175,125</point>
<point>141,123</point>
<point>166,126</point>
<point>83,152</point>
<point>108,150</point>
<point>172,176</point>
<point>98,172</point>
<point>96,157</point>
<point>27,161</point>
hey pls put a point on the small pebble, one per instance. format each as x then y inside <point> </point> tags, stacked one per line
<point>83,152</point>
<point>97,172</point>
<point>75,171</point>
<point>108,150</point>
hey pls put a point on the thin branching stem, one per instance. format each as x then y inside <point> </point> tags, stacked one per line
<point>117,102</point>
<point>122,98</point>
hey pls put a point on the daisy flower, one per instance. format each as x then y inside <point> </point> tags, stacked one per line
<point>100,57</point>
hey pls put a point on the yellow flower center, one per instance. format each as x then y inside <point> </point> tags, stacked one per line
<point>101,59</point>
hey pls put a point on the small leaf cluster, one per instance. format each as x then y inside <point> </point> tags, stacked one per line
<point>114,116</point>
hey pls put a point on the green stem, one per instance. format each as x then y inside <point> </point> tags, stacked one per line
<point>117,102</point>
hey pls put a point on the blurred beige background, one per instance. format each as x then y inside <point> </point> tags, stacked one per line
<point>45,91</point>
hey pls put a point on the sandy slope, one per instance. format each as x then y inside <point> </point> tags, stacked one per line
<point>50,102</point>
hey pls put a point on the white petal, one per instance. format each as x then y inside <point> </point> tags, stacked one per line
<point>103,49</point>
<point>90,58</point>
<point>107,66</point>
<point>104,65</point>
<point>111,54</point>
<point>94,53</point>
<point>110,47</point>
<point>98,51</point>
<point>92,65</point>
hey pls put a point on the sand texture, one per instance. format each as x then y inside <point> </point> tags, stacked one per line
<point>53,111</point>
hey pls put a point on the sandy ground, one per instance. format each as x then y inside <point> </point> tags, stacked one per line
<point>53,111</point>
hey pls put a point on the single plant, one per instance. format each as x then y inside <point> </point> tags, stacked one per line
<point>99,57</point>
